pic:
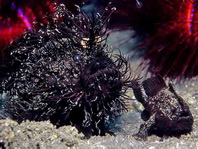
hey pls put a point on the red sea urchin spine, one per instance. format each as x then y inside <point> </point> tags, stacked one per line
<point>172,51</point>
<point>168,33</point>
<point>16,17</point>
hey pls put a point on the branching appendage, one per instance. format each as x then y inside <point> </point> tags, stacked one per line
<point>135,85</point>
<point>90,31</point>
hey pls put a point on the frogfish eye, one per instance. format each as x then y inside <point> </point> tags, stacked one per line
<point>76,57</point>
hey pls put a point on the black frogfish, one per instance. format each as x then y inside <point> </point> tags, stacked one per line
<point>64,71</point>
<point>166,113</point>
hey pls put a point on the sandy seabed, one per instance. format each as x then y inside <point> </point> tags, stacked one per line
<point>43,135</point>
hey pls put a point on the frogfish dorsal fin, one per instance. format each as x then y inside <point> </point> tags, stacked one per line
<point>153,85</point>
